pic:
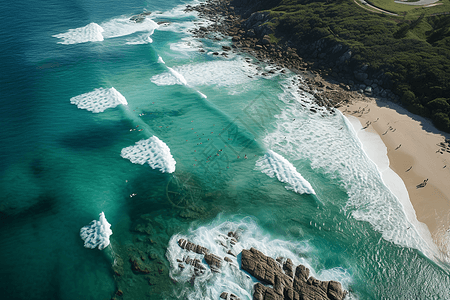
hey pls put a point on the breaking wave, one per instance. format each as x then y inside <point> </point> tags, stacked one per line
<point>273,164</point>
<point>99,100</point>
<point>89,33</point>
<point>152,151</point>
<point>118,27</point>
<point>97,233</point>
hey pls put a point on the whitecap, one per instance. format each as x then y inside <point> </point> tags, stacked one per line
<point>97,233</point>
<point>160,60</point>
<point>124,26</point>
<point>89,33</point>
<point>232,72</point>
<point>273,164</point>
<point>152,151</point>
<point>140,40</point>
<point>117,27</point>
<point>180,78</point>
<point>187,44</point>
<point>99,100</point>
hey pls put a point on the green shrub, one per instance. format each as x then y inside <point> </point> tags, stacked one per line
<point>408,97</point>
<point>419,109</point>
<point>441,121</point>
<point>440,105</point>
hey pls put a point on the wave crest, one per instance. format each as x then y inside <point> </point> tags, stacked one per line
<point>152,151</point>
<point>99,100</point>
<point>273,164</point>
<point>97,233</point>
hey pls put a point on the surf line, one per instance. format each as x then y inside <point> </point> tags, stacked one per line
<point>180,77</point>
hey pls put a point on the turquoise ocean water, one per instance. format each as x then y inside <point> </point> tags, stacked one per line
<point>240,141</point>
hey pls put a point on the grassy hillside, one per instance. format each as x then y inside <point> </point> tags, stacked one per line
<point>412,49</point>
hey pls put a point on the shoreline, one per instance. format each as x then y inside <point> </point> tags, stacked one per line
<point>412,142</point>
<point>413,154</point>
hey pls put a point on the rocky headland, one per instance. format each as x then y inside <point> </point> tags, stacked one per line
<point>331,75</point>
<point>278,278</point>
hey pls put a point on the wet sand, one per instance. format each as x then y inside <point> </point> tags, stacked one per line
<point>415,155</point>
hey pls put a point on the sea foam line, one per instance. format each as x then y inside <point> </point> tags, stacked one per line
<point>275,165</point>
<point>375,149</point>
<point>328,141</point>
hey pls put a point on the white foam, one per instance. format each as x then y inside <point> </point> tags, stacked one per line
<point>182,20</point>
<point>330,144</point>
<point>89,33</point>
<point>152,151</point>
<point>124,26</point>
<point>187,44</point>
<point>217,72</point>
<point>180,78</point>
<point>231,279</point>
<point>117,27</point>
<point>376,150</point>
<point>202,95</point>
<point>97,233</point>
<point>160,60</point>
<point>140,40</point>
<point>273,164</point>
<point>99,100</point>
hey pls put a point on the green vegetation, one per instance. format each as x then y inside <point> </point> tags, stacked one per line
<point>412,49</point>
<point>410,12</point>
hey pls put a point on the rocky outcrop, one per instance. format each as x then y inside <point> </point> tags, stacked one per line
<point>229,296</point>
<point>248,23</point>
<point>286,284</point>
<point>286,281</point>
<point>213,261</point>
<point>185,244</point>
<point>140,17</point>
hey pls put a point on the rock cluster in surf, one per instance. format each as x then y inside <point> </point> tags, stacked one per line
<point>286,284</point>
<point>279,280</point>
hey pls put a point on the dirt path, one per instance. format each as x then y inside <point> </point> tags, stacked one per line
<point>373,7</point>
<point>420,2</point>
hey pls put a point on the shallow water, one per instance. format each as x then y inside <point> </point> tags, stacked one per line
<point>61,164</point>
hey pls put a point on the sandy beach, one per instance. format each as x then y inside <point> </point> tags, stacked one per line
<point>415,154</point>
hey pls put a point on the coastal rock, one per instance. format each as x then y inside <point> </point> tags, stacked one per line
<point>361,76</point>
<point>140,17</point>
<point>199,268</point>
<point>288,267</point>
<point>213,261</point>
<point>229,296</point>
<point>286,286</point>
<point>265,40</point>
<point>185,244</point>
<point>251,33</point>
